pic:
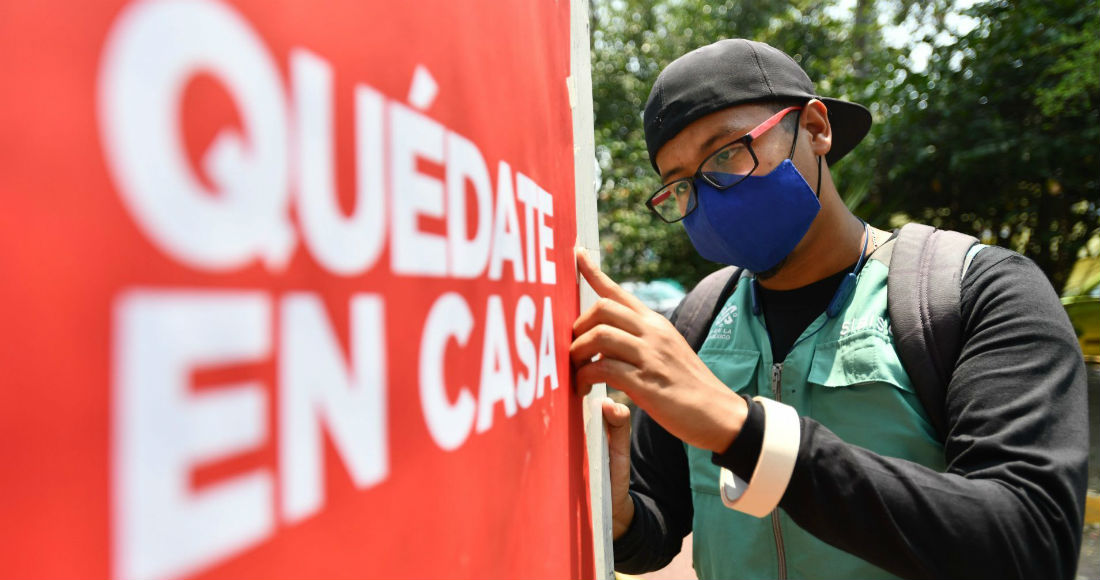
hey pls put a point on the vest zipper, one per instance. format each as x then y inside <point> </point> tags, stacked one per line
<point>777,381</point>
<point>777,390</point>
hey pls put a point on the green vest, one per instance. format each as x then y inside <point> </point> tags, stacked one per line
<point>844,373</point>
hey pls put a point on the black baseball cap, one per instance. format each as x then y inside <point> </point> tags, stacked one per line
<point>733,72</point>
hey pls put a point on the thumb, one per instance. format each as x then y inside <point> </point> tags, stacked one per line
<point>617,419</point>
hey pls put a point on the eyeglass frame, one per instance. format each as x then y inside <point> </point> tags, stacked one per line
<point>747,140</point>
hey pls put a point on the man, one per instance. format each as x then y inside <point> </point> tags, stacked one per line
<point>793,444</point>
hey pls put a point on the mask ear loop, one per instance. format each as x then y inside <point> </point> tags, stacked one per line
<point>818,192</point>
<point>790,155</point>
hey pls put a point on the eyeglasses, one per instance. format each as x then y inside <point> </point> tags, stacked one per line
<point>723,169</point>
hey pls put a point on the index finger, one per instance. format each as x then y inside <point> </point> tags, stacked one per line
<point>604,286</point>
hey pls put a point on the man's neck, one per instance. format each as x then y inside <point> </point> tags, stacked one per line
<point>829,247</point>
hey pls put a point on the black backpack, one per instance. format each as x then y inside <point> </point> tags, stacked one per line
<point>926,270</point>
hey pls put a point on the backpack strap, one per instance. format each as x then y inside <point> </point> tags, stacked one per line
<point>926,269</point>
<point>697,310</point>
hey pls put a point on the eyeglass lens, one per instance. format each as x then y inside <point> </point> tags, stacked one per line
<point>729,165</point>
<point>674,201</point>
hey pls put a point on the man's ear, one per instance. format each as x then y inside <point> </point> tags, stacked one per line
<point>815,120</point>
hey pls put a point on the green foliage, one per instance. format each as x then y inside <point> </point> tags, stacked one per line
<point>998,135</point>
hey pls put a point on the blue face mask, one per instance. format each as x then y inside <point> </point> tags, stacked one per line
<point>756,223</point>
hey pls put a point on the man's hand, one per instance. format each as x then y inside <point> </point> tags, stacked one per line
<point>642,354</point>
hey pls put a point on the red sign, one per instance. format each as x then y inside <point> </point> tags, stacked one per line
<point>288,290</point>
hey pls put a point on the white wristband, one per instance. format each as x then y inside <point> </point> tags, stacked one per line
<point>778,453</point>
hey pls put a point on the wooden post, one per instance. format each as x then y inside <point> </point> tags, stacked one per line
<point>588,237</point>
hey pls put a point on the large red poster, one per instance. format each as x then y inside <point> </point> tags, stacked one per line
<point>287,290</point>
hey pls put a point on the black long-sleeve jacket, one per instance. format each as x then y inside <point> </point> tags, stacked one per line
<point>1011,500</point>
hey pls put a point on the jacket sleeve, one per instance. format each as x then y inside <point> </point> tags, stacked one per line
<point>1011,500</point>
<point>661,490</point>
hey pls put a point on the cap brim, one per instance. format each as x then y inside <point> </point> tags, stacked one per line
<point>850,123</point>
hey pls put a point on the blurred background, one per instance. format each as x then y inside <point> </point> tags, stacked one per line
<point>986,116</point>
<point>987,121</point>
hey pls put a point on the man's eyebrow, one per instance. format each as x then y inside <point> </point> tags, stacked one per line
<point>670,173</point>
<point>704,148</point>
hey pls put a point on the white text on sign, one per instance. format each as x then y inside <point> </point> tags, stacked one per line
<point>283,163</point>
